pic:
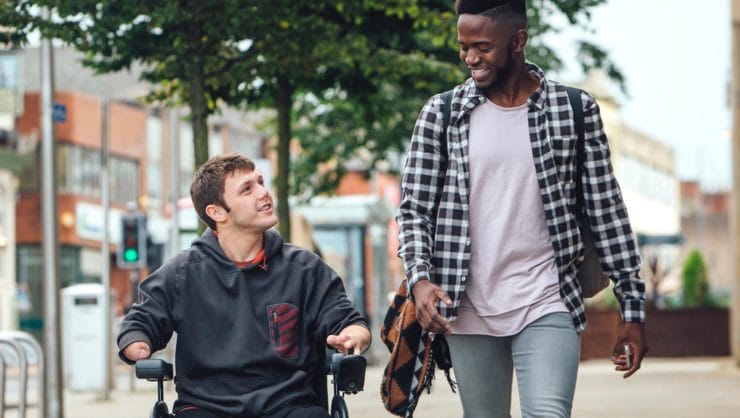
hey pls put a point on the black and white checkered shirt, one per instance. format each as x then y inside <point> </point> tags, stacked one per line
<point>433,215</point>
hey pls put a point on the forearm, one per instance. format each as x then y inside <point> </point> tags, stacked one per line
<point>609,220</point>
<point>421,186</point>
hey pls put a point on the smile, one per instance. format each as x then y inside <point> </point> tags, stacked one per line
<point>479,73</point>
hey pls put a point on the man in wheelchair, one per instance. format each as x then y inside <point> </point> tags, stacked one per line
<point>252,313</point>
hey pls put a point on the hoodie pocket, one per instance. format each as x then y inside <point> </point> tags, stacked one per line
<point>285,332</point>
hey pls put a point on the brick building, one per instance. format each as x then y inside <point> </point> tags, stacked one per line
<point>78,165</point>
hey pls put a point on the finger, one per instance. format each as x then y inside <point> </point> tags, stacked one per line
<point>426,321</point>
<point>631,371</point>
<point>636,364</point>
<point>443,296</point>
<point>442,324</point>
<point>350,345</point>
<point>140,354</point>
<point>335,341</point>
<point>438,323</point>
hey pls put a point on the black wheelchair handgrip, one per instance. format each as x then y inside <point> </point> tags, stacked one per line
<point>153,370</point>
<point>349,372</point>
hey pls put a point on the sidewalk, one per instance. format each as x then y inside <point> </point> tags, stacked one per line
<point>675,388</point>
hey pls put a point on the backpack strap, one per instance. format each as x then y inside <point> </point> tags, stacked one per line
<point>446,110</point>
<point>574,96</point>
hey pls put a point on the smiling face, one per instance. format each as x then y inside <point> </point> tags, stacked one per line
<point>249,205</point>
<point>489,49</point>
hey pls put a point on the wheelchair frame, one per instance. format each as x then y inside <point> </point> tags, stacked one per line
<point>348,377</point>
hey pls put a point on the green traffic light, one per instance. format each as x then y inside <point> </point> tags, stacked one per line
<point>130,255</point>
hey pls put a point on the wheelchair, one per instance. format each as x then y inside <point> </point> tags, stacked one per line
<point>348,377</point>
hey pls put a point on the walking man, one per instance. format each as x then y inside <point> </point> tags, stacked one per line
<point>488,234</point>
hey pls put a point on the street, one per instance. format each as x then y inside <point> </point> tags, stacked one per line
<point>675,388</point>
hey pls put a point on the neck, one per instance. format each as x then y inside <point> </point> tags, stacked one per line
<point>515,89</point>
<point>240,246</point>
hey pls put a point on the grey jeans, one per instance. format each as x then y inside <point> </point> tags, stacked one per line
<point>545,355</point>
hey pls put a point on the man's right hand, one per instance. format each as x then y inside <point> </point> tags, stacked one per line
<point>426,295</point>
<point>137,350</point>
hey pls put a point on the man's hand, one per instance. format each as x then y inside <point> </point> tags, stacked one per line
<point>355,337</point>
<point>426,295</point>
<point>137,350</point>
<point>633,335</point>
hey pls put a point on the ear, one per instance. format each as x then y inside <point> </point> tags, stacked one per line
<point>215,212</point>
<point>520,41</point>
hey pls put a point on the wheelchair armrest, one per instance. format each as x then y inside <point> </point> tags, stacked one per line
<point>154,370</point>
<point>349,372</point>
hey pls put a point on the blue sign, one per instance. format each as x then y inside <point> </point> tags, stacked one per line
<point>59,113</point>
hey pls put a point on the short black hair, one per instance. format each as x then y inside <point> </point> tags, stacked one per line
<point>498,10</point>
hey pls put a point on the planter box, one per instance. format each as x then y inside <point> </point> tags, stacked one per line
<point>689,332</point>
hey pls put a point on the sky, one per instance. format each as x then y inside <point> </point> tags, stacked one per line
<point>676,58</point>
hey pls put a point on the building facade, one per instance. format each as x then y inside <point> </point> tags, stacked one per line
<point>151,162</point>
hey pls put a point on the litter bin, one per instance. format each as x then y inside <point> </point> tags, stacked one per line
<point>83,336</point>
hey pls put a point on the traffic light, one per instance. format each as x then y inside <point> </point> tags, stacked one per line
<point>132,248</point>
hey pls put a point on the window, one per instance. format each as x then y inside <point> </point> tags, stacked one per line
<point>124,175</point>
<point>78,173</point>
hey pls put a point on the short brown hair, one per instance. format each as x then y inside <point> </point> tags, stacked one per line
<point>207,187</point>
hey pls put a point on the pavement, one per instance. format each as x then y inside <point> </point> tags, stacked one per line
<point>676,388</point>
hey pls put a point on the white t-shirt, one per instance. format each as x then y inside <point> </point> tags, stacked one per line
<point>513,277</point>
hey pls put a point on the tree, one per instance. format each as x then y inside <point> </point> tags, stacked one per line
<point>341,125</point>
<point>354,73</point>
<point>695,280</point>
<point>657,269</point>
<point>190,49</point>
<point>359,49</point>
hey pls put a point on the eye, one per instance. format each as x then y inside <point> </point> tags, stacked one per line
<point>484,50</point>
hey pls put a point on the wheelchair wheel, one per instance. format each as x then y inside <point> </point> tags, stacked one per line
<point>339,408</point>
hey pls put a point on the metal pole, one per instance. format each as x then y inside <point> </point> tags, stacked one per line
<point>174,179</point>
<point>134,278</point>
<point>53,405</point>
<point>105,251</point>
<point>735,211</point>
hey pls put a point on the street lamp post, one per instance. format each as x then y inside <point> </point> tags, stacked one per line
<point>53,405</point>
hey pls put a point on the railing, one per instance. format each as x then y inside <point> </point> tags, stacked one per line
<point>19,351</point>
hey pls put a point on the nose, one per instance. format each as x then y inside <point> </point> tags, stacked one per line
<point>471,57</point>
<point>262,192</point>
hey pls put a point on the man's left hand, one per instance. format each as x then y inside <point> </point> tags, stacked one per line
<point>631,334</point>
<point>355,337</point>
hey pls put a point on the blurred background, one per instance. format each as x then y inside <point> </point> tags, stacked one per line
<point>107,108</point>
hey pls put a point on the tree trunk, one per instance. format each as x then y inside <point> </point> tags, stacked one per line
<point>284,104</point>
<point>198,113</point>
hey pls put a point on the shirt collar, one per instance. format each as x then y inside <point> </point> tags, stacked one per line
<point>473,96</point>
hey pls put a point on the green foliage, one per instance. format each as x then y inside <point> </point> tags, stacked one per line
<point>695,280</point>
<point>366,118</point>
<point>352,74</point>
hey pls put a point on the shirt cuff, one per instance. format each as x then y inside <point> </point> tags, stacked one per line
<point>633,310</point>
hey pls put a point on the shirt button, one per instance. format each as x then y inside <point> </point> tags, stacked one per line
<point>463,278</point>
